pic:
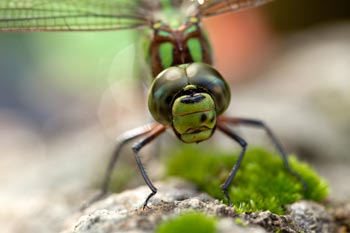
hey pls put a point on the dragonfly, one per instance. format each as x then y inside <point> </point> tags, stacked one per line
<point>187,94</point>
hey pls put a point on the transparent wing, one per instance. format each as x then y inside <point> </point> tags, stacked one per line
<point>97,15</point>
<point>74,15</point>
<point>215,7</point>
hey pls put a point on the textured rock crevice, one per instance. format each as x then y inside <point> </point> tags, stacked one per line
<point>123,213</point>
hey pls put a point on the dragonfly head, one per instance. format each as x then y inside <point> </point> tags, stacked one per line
<point>189,98</point>
<point>194,115</point>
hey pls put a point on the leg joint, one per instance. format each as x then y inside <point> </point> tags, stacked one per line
<point>243,143</point>
<point>136,147</point>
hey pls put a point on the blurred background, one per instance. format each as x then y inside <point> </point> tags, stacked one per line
<point>65,97</point>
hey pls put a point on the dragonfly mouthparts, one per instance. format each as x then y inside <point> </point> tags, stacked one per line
<point>197,130</point>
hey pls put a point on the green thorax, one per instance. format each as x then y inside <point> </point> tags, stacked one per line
<point>176,40</point>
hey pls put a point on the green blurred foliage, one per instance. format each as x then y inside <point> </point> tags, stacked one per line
<point>44,74</point>
<point>262,182</point>
<point>56,56</point>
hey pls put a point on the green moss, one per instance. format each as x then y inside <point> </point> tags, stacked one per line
<point>262,182</point>
<point>189,223</point>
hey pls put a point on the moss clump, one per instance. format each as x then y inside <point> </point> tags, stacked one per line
<point>188,223</point>
<point>262,182</point>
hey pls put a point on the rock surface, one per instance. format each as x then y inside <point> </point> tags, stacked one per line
<point>123,213</point>
<point>311,217</point>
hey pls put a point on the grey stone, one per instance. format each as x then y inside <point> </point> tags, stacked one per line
<point>311,217</point>
<point>123,212</point>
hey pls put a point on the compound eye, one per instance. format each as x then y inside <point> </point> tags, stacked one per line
<point>209,79</point>
<point>163,91</point>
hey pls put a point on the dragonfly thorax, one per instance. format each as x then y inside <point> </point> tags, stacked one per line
<point>189,98</point>
<point>175,46</point>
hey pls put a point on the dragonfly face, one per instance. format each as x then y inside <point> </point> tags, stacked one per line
<point>189,98</point>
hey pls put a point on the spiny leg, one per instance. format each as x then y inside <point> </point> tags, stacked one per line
<point>273,138</point>
<point>136,148</point>
<point>122,140</point>
<point>235,168</point>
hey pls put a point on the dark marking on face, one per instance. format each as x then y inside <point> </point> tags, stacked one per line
<point>193,99</point>
<point>203,117</point>
<point>212,119</point>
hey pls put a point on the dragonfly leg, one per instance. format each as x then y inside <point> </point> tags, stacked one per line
<point>136,148</point>
<point>243,144</point>
<point>273,138</point>
<point>122,140</point>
